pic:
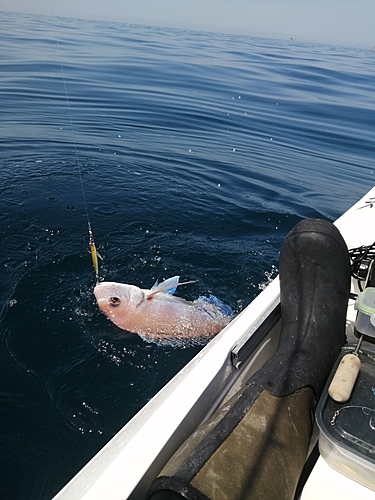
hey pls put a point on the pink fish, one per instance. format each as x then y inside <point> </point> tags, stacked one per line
<point>157,314</point>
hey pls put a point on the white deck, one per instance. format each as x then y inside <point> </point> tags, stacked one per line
<point>325,483</point>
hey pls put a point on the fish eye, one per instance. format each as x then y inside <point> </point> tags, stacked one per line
<point>115,301</point>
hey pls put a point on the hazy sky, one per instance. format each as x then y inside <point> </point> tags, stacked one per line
<point>340,22</point>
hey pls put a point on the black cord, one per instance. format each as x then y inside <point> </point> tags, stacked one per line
<point>357,256</point>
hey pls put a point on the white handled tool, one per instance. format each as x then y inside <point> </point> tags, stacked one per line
<point>346,374</point>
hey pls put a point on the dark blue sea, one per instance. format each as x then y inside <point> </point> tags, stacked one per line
<point>192,154</point>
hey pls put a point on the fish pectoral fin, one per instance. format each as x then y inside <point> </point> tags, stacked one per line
<point>150,293</point>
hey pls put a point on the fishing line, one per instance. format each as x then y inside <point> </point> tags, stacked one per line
<point>94,253</point>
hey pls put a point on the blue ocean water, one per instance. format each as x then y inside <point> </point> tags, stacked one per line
<point>197,153</point>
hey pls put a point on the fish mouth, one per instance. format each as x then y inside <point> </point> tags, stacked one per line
<point>103,284</point>
<point>98,291</point>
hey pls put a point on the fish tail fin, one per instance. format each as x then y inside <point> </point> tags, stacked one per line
<point>223,308</point>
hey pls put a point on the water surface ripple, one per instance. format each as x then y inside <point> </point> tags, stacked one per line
<point>198,153</point>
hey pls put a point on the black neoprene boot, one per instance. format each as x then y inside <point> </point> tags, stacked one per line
<point>255,446</point>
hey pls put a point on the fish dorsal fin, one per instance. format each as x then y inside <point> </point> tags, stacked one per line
<point>168,286</point>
